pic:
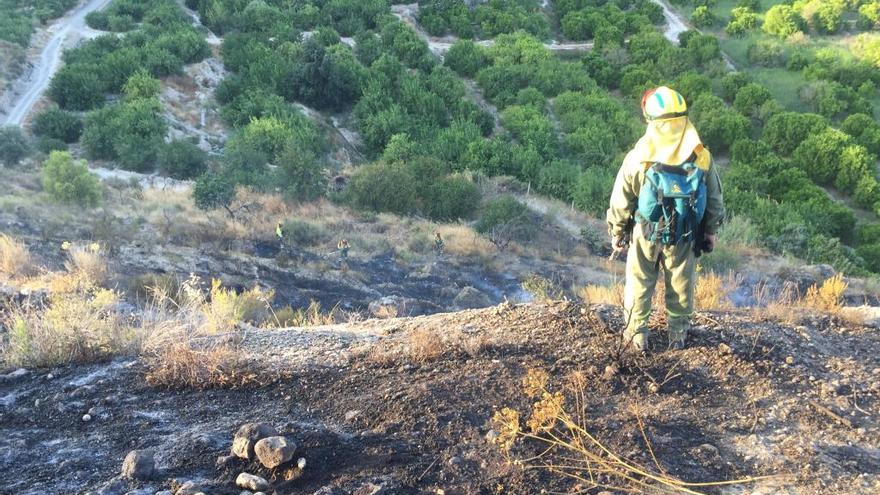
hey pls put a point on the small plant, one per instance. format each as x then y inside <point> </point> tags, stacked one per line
<point>227,308</point>
<point>86,264</point>
<point>602,294</point>
<point>424,346</point>
<point>542,289</point>
<point>182,365</point>
<point>69,181</point>
<point>15,259</point>
<point>712,290</point>
<point>828,297</point>
<point>556,439</point>
<point>311,316</point>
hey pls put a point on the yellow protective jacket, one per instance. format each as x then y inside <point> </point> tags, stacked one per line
<point>671,142</point>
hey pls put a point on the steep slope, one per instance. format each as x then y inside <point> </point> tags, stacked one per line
<point>405,404</point>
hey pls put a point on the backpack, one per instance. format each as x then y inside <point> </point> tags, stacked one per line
<point>672,202</point>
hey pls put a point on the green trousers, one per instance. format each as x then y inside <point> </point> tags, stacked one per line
<point>643,264</point>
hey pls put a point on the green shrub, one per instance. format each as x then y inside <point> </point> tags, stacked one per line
<point>57,124</point>
<point>558,179</point>
<point>384,187</point>
<point>820,154</point>
<point>506,213</point>
<point>47,145</point>
<point>703,18</point>
<point>77,87</point>
<point>466,58</point>
<point>450,198</point>
<point>181,159</point>
<point>68,181</point>
<point>750,98</point>
<point>14,146</point>
<point>593,190</point>
<point>304,233</point>
<point>787,130</point>
<point>719,126</point>
<point>782,21</point>
<point>766,53</point>
<point>742,20</point>
<point>301,174</point>
<point>212,191</point>
<point>141,85</point>
<point>131,132</point>
<point>731,84</point>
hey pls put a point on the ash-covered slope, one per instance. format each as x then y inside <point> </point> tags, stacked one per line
<point>405,406</point>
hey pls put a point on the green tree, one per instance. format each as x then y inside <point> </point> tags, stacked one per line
<point>593,190</point>
<point>750,98</point>
<point>301,174</point>
<point>819,155</point>
<point>213,191</point>
<point>14,146</point>
<point>855,163</point>
<point>57,124</point>
<point>466,58</point>
<point>787,130</point>
<point>742,20</point>
<point>505,212</point>
<point>181,159</point>
<point>719,126</point>
<point>384,187</point>
<point>77,87</point>
<point>69,181</point>
<point>782,21</point>
<point>450,198</point>
<point>702,17</point>
<point>141,85</point>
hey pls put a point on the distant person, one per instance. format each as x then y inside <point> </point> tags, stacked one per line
<point>438,243</point>
<point>279,232</point>
<point>343,247</point>
<point>666,207</point>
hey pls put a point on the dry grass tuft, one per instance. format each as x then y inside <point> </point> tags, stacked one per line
<point>183,365</point>
<point>227,308</point>
<point>461,240</point>
<point>75,327</point>
<point>712,291</point>
<point>542,289</point>
<point>557,422</point>
<point>828,297</point>
<point>87,265</point>
<point>424,346</point>
<point>601,294</point>
<point>15,259</point>
<point>312,316</point>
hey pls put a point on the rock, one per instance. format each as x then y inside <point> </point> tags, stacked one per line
<point>724,349</point>
<point>164,492</point>
<point>327,490</point>
<point>274,451</point>
<point>471,298</point>
<point>370,489</point>
<point>224,461</point>
<point>491,436</point>
<point>86,418</point>
<point>247,436</point>
<point>352,415</point>
<point>189,488</point>
<point>251,482</point>
<point>139,464</point>
<point>610,371</point>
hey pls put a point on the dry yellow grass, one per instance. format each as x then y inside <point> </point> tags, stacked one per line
<point>828,297</point>
<point>181,365</point>
<point>601,294</point>
<point>15,259</point>
<point>87,264</point>
<point>75,327</point>
<point>712,292</point>
<point>461,240</point>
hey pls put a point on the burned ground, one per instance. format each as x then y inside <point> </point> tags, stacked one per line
<point>407,404</point>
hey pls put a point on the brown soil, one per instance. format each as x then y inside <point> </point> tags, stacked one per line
<point>408,403</point>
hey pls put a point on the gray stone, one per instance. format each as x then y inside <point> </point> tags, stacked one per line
<point>189,488</point>
<point>251,482</point>
<point>370,489</point>
<point>471,298</point>
<point>274,451</point>
<point>327,490</point>
<point>224,461</point>
<point>247,436</point>
<point>139,464</point>
<point>164,492</point>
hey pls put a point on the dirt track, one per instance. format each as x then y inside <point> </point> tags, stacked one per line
<point>30,87</point>
<point>741,401</point>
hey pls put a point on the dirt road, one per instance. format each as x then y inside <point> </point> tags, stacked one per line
<point>27,90</point>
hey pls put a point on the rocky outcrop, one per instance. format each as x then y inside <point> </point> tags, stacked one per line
<point>247,437</point>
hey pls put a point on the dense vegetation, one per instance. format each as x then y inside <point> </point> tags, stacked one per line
<point>802,163</point>
<point>18,17</point>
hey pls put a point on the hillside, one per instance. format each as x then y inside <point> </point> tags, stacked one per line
<point>406,405</point>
